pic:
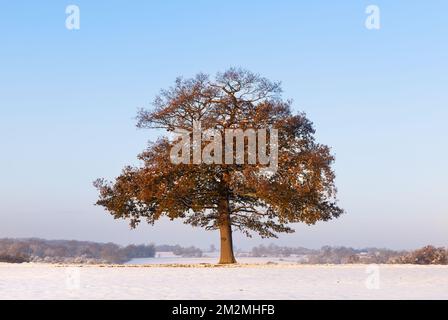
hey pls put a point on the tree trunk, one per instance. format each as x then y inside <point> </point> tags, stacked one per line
<point>225,229</point>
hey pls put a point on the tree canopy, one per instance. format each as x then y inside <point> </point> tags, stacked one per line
<point>227,196</point>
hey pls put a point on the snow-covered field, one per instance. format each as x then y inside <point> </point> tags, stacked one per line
<point>246,281</point>
<point>169,258</point>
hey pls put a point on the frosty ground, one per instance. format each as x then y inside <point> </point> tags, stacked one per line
<point>207,281</point>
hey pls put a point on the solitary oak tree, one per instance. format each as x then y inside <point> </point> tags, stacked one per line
<point>227,196</point>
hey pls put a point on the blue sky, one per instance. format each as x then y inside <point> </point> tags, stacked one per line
<point>379,98</point>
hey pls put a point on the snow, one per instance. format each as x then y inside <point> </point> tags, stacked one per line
<point>211,258</point>
<point>205,281</point>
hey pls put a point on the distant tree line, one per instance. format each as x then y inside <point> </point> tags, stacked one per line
<point>343,255</point>
<point>70,251</point>
<point>273,250</point>
<point>180,251</point>
<point>426,255</point>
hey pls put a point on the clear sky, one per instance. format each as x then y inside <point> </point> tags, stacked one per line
<point>379,98</point>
